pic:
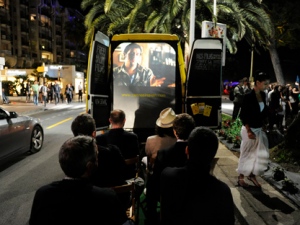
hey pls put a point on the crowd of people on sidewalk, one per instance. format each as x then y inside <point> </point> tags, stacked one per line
<point>51,92</point>
<point>47,92</point>
<point>282,101</point>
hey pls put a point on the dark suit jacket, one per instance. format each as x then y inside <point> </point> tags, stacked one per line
<point>111,166</point>
<point>76,202</point>
<point>127,143</point>
<point>172,157</point>
<point>192,197</point>
<point>250,110</point>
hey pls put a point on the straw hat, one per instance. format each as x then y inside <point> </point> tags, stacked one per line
<point>166,118</point>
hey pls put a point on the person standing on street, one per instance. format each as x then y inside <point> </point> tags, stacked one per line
<point>44,93</point>
<point>56,92</point>
<point>28,90</point>
<point>254,151</point>
<point>238,99</point>
<point>4,97</point>
<point>69,93</point>
<point>35,89</point>
<point>80,92</point>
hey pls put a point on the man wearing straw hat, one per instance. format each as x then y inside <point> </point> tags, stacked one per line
<point>164,137</point>
<point>174,156</point>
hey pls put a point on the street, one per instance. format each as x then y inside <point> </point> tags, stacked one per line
<point>23,176</point>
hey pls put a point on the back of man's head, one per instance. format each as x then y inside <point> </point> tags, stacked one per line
<point>203,144</point>
<point>75,155</point>
<point>83,124</point>
<point>183,125</point>
<point>117,117</point>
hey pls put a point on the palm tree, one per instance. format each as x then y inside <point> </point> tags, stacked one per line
<point>286,20</point>
<point>244,19</point>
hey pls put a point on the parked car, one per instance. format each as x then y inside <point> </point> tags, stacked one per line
<point>19,134</point>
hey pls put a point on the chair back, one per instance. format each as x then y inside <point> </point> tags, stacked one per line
<point>134,161</point>
<point>132,212</point>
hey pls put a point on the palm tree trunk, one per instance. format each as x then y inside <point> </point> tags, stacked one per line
<point>276,63</point>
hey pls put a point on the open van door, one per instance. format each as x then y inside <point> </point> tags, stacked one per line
<point>98,86</point>
<point>204,89</point>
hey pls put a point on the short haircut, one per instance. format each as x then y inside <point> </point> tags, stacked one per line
<point>83,124</point>
<point>183,125</point>
<point>132,46</point>
<point>75,154</point>
<point>203,144</point>
<point>117,116</point>
<point>260,76</point>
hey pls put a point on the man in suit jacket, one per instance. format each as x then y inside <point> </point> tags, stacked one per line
<point>183,200</point>
<point>111,166</point>
<point>74,200</point>
<point>172,157</point>
<point>126,141</point>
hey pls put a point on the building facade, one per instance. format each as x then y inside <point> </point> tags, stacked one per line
<point>33,32</point>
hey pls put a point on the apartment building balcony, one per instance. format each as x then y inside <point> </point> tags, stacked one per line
<point>24,15</point>
<point>46,11</point>
<point>24,29</point>
<point>5,21</point>
<point>45,36</point>
<point>45,48</point>
<point>24,2</point>
<point>25,43</point>
<point>5,38</point>
<point>58,21</point>
<point>4,53</point>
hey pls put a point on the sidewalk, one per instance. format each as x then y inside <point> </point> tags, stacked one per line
<point>254,206</point>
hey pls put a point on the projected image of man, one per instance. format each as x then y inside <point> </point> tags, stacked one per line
<point>132,73</point>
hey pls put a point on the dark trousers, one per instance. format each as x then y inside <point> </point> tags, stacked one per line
<point>56,97</point>
<point>236,108</point>
<point>80,95</point>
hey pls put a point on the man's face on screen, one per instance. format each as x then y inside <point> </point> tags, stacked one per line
<point>133,57</point>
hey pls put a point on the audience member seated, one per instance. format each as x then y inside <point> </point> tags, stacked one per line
<point>191,195</point>
<point>164,137</point>
<point>111,166</point>
<point>74,200</point>
<point>126,141</point>
<point>172,157</point>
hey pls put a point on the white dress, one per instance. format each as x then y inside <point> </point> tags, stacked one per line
<point>254,153</point>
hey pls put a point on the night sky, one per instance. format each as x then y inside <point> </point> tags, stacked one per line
<point>71,3</point>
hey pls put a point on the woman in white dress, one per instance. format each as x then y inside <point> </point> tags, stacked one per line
<point>254,151</point>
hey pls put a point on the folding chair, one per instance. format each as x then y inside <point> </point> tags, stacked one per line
<point>131,187</point>
<point>131,212</point>
<point>134,161</point>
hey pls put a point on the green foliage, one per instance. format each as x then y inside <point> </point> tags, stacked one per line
<point>231,130</point>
